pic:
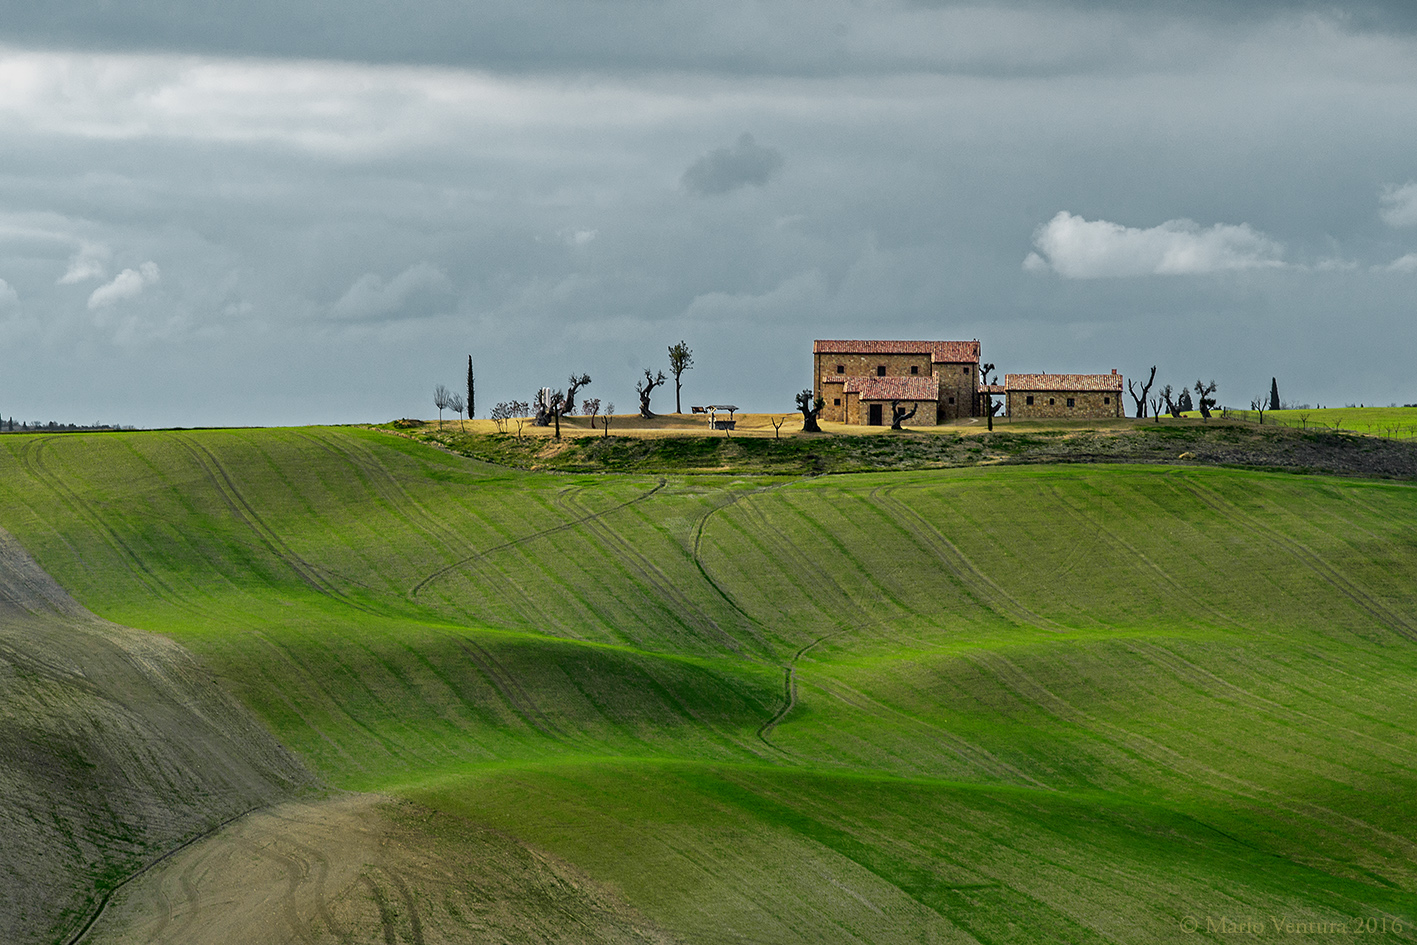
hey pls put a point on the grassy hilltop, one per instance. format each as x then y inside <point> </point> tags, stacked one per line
<point>1002,703</point>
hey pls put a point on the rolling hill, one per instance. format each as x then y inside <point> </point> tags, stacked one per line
<point>996,704</point>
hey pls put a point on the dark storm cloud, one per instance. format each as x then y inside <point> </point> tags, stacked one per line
<point>725,169</point>
<point>326,240</point>
<point>734,37</point>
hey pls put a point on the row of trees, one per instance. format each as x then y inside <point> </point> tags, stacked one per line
<point>550,405</point>
<point>1175,402</point>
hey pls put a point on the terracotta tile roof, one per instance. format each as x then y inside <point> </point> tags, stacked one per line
<point>1063,382</point>
<point>992,389</point>
<point>908,387</point>
<point>941,352</point>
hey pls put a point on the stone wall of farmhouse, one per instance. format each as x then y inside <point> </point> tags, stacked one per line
<point>957,383</point>
<point>859,411</point>
<point>1087,405</point>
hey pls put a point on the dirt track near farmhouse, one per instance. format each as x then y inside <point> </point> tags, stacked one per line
<point>357,869</point>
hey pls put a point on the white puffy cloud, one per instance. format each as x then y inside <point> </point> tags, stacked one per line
<point>125,285</point>
<point>87,263</point>
<point>1406,263</point>
<point>371,297</point>
<point>1399,204</point>
<point>8,295</point>
<point>1076,248</point>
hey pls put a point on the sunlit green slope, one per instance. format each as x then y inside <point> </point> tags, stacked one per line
<point>998,704</point>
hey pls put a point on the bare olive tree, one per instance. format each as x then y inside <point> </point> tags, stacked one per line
<point>1205,402</point>
<point>1145,390</point>
<point>456,405</point>
<point>605,419</point>
<point>899,416</point>
<point>441,399</point>
<point>985,382</point>
<point>810,411</point>
<point>644,387</point>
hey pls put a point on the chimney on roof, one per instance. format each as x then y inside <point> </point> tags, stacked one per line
<point>1114,370</point>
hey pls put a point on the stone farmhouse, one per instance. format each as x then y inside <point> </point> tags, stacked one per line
<point>939,380</point>
<point>1061,396</point>
<point>857,380</point>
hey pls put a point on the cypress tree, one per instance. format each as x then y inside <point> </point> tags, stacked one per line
<point>1273,394</point>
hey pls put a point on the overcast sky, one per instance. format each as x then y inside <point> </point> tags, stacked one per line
<point>263,212</point>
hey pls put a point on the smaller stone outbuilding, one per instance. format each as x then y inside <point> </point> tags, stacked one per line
<point>1063,396</point>
<point>868,399</point>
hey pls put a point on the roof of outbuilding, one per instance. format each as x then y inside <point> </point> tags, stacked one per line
<point>908,387</point>
<point>941,352</point>
<point>1063,382</point>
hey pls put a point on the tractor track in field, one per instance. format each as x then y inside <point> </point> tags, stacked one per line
<point>384,484</point>
<point>680,605</point>
<point>108,896</point>
<point>959,564</point>
<point>1311,559</point>
<point>31,456</point>
<point>1138,555</point>
<point>245,513</point>
<point>525,539</point>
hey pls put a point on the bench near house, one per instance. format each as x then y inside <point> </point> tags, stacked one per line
<point>857,380</point>
<point>1063,396</point>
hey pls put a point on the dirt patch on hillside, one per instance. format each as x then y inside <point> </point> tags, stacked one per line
<point>115,746</point>
<point>363,869</point>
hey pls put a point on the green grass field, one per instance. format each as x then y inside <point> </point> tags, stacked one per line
<point>1392,422</point>
<point>994,704</point>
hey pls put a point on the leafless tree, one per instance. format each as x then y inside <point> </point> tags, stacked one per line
<point>644,387</point>
<point>1204,400</point>
<point>985,381</point>
<point>777,423</point>
<point>590,407</point>
<point>541,404</point>
<point>605,420</point>
<point>1260,405</point>
<point>500,415</point>
<point>557,405</point>
<point>520,412</point>
<point>1145,390</point>
<point>1173,408</point>
<point>441,399</point>
<point>810,411</point>
<point>456,405</point>
<point>1156,409</point>
<point>572,387</point>
<point>1303,421</point>
<point>899,416</point>
<point>681,359</point>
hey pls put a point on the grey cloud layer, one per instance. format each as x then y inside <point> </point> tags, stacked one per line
<point>737,37</point>
<point>327,240</point>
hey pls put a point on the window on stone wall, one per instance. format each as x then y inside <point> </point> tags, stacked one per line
<point>952,400</point>
<point>1028,400</point>
<point>1106,400</point>
<point>915,369</point>
<point>1070,402</point>
<point>836,402</point>
<point>1050,401</point>
<point>841,369</point>
<point>880,370</point>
